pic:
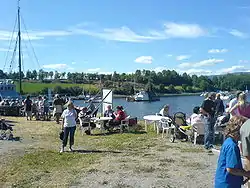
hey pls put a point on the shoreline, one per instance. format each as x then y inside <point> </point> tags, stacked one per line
<point>164,95</point>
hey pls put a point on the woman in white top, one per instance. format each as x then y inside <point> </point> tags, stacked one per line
<point>69,116</point>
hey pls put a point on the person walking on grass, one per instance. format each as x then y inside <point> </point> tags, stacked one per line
<point>229,172</point>
<point>69,116</point>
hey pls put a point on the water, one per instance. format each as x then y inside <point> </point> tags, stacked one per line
<point>139,109</point>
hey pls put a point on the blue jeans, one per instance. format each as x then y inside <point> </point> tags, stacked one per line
<point>209,132</point>
<point>69,132</point>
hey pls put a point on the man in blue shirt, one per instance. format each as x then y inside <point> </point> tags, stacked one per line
<point>229,173</point>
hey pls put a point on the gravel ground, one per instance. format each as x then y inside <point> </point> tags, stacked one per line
<point>164,165</point>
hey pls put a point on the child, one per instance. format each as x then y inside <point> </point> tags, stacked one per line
<point>229,173</point>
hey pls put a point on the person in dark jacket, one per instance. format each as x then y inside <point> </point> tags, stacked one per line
<point>219,106</point>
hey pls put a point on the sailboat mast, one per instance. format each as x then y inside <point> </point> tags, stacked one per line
<point>19,50</point>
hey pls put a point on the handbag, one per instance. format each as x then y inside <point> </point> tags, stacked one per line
<point>61,135</point>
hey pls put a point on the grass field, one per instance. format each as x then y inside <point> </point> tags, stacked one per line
<point>134,159</point>
<point>31,88</point>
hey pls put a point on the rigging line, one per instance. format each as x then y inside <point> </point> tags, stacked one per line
<point>13,55</point>
<point>22,63</point>
<point>30,42</point>
<point>11,39</point>
<point>28,52</point>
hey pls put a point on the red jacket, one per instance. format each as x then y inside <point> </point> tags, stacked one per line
<point>120,115</point>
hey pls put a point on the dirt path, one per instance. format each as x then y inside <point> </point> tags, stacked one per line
<point>161,166</point>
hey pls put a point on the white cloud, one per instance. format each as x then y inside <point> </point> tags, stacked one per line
<point>125,34</point>
<point>73,63</point>
<point>169,55</point>
<point>236,68</point>
<point>159,69</point>
<point>244,61</point>
<point>215,51</point>
<point>94,70</point>
<point>197,72</point>
<point>177,30</point>
<point>182,57</point>
<point>238,33</point>
<point>122,34</point>
<point>57,67</point>
<point>203,63</point>
<point>144,59</point>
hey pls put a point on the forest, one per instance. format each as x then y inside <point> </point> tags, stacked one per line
<point>166,81</point>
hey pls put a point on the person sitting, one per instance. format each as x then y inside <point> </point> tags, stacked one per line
<point>164,111</point>
<point>4,126</point>
<point>195,117</point>
<point>119,116</point>
<point>84,118</point>
<point>12,103</point>
<point>92,108</point>
<point>109,112</point>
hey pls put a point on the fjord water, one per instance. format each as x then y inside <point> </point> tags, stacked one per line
<point>139,109</point>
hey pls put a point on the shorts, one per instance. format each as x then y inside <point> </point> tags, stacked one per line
<point>28,113</point>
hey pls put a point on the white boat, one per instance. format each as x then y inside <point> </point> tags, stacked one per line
<point>143,96</point>
<point>203,94</point>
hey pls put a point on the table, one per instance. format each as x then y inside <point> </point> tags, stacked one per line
<point>100,121</point>
<point>155,119</point>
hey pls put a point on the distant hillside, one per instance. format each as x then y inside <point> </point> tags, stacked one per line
<point>235,73</point>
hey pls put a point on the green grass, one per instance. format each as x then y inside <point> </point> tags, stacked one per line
<point>46,169</point>
<point>41,165</point>
<point>31,87</point>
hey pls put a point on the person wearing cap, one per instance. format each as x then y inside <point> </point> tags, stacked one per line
<point>208,110</point>
<point>69,116</point>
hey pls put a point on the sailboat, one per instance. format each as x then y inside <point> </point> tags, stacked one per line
<point>7,86</point>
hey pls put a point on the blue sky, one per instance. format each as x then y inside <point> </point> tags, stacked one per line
<point>193,36</point>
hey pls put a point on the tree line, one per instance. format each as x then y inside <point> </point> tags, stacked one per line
<point>166,81</point>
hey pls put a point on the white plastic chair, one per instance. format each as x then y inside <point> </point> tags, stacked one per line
<point>198,129</point>
<point>165,124</point>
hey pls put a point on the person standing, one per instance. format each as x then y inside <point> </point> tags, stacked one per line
<point>219,106</point>
<point>232,103</point>
<point>69,116</point>
<point>242,105</point>
<point>58,107</point>
<point>208,110</point>
<point>45,108</point>
<point>28,108</point>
